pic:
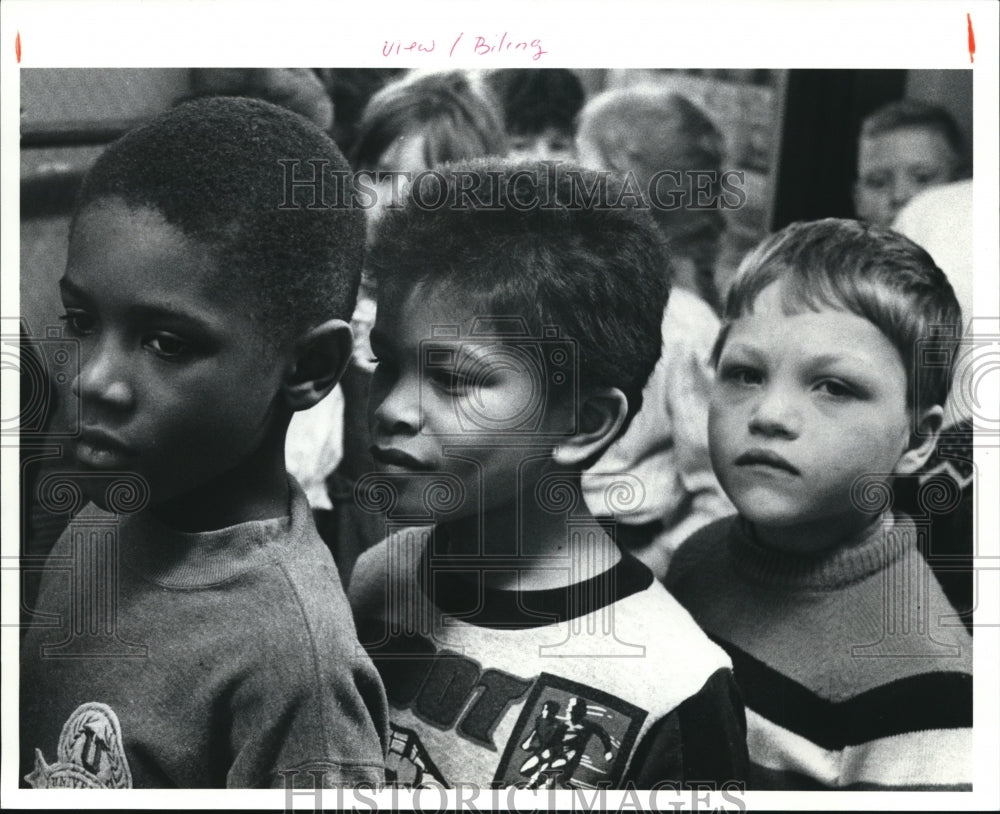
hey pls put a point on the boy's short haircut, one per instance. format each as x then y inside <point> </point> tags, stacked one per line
<point>454,111</point>
<point>535,99</point>
<point>911,113</point>
<point>519,239</point>
<point>868,270</point>
<point>211,168</point>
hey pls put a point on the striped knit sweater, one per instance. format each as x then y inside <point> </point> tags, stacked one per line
<point>855,671</point>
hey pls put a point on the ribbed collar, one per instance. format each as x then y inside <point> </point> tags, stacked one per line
<point>176,559</point>
<point>881,544</point>
<point>461,594</point>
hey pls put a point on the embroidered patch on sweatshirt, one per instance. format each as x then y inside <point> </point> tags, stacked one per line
<point>90,754</point>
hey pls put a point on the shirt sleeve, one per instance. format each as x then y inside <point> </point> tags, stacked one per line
<point>310,710</point>
<point>307,735</point>
<point>702,741</point>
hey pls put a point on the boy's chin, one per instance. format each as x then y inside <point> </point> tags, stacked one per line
<point>806,534</point>
<point>418,498</point>
<point>770,514</point>
<point>115,492</point>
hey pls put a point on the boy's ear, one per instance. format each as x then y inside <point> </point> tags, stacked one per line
<point>922,441</point>
<point>320,358</point>
<point>601,416</point>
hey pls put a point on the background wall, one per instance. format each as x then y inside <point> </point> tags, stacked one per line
<point>82,110</point>
<point>794,134</point>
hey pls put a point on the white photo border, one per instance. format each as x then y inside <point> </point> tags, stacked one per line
<point>586,34</point>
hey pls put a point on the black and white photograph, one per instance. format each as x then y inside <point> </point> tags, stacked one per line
<point>501,409</point>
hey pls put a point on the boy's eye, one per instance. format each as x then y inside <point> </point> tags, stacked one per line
<point>78,323</point>
<point>835,388</point>
<point>168,346</point>
<point>875,181</point>
<point>449,382</point>
<point>745,376</point>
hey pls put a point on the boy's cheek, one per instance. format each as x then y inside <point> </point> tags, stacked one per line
<point>720,426</point>
<point>719,455</point>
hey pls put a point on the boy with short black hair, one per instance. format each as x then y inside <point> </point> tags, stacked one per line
<point>833,366</point>
<point>210,643</point>
<point>516,328</point>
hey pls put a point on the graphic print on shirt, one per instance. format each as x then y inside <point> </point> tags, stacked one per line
<point>569,736</point>
<point>444,689</point>
<point>90,753</point>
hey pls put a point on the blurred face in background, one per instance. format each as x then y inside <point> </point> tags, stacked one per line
<point>896,165</point>
<point>552,144</point>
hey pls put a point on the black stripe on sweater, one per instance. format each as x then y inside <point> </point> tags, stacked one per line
<point>934,700</point>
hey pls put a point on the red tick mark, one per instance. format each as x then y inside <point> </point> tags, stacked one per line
<point>17,46</point>
<point>972,40</point>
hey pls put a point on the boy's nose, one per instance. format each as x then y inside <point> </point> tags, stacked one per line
<point>902,190</point>
<point>101,380</point>
<point>396,407</point>
<point>775,415</point>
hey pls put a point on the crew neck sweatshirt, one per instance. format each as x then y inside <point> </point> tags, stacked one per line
<point>208,660</point>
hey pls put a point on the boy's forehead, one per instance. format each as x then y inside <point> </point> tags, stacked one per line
<point>830,328</point>
<point>144,229</point>
<point>437,311</point>
<point>124,251</point>
<point>904,143</point>
<point>786,297</point>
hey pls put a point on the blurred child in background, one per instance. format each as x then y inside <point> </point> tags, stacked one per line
<point>647,131</point>
<point>905,147</point>
<point>540,106</point>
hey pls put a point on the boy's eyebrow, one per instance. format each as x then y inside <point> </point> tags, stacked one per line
<point>835,358</point>
<point>163,312</point>
<point>741,347</point>
<point>147,311</point>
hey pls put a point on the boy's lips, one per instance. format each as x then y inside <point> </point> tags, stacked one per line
<point>390,456</point>
<point>766,458</point>
<point>98,449</point>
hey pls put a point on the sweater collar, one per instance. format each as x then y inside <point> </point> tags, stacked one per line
<point>460,593</point>
<point>179,559</point>
<point>881,544</point>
